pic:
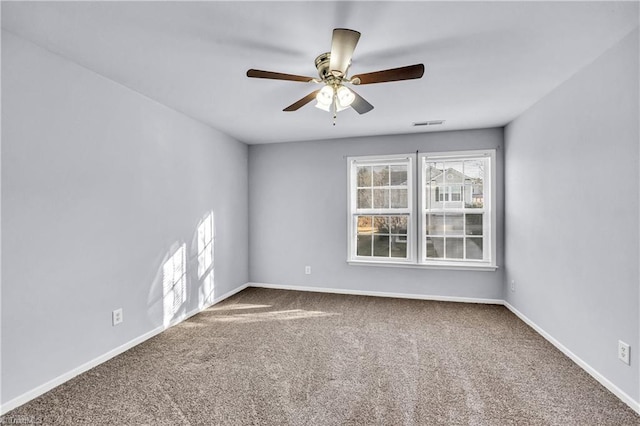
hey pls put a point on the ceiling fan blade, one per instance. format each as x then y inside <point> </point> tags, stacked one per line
<point>302,102</point>
<point>395,74</point>
<point>343,44</point>
<point>360,104</point>
<point>278,76</point>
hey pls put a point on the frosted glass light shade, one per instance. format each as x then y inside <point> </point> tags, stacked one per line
<point>325,98</point>
<point>345,97</point>
<point>325,95</point>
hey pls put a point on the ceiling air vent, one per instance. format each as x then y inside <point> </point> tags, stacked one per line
<point>429,123</point>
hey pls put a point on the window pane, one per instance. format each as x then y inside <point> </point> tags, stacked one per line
<point>364,198</point>
<point>454,222</point>
<point>454,248</point>
<point>474,224</point>
<point>435,247</point>
<point>381,224</point>
<point>477,196</point>
<point>365,224</point>
<point>364,245</point>
<point>435,224</point>
<point>398,175</point>
<point>474,172</point>
<point>474,169</point>
<point>453,173</point>
<point>398,224</point>
<point>399,246</point>
<point>380,198</point>
<point>437,171</point>
<point>474,248</point>
<point>399,198</point>
<point>381,176</point>
<point>381,245</point>
<point>364,176</point>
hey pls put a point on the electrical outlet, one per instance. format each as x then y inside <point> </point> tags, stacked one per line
<point>623,352</point>
<point>307,270</point>
<point>116,316</point>
<point>513,285</point>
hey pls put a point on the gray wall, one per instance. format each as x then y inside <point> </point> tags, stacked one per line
<point>572,213</point>
<point>99,185</point>
<point>298,216</point>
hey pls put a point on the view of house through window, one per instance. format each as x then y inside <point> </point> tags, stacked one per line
<point>447,221</point>
<point>454,211</point>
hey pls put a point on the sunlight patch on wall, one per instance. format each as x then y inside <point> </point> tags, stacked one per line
<point>174,285</point>
<point>205,245</point>
<point>206,293</point>
<point>205,248</point>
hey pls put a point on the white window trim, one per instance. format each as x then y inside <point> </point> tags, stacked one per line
<point>410,210</point>
<point>415,246</point>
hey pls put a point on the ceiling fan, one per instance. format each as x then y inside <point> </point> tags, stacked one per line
<point>332,68</point>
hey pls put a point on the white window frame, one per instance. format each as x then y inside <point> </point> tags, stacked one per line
<point>354,212</point>
<point>416,232</point>
<point>488,209</point>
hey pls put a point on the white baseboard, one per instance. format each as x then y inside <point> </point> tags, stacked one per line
<point>380,294</point>
<point>623,396</point>
<point>46,387</point>
<point>34,393</point>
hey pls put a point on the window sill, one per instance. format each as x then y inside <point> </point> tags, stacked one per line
<point>444,266</point>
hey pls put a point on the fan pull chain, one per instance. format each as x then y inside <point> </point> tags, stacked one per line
<point>335,110</point>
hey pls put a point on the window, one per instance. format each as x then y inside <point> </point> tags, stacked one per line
<point>447,222</point>
<point>382,208</point>
<point>455,210</point>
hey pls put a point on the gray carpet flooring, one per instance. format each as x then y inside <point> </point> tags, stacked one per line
<point>278,357</point>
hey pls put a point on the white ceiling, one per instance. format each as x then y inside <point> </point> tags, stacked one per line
<point>486,62</point>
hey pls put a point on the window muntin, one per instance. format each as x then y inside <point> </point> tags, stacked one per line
<point>447,222</point>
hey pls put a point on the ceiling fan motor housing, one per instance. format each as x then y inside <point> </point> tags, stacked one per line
<point>322,64</point>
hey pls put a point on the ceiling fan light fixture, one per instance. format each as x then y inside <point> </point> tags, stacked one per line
<point>323,107</point>
<point>325,98</point>
<point>340,107</point>
<point>345,97</point>
<point>325,95</point>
